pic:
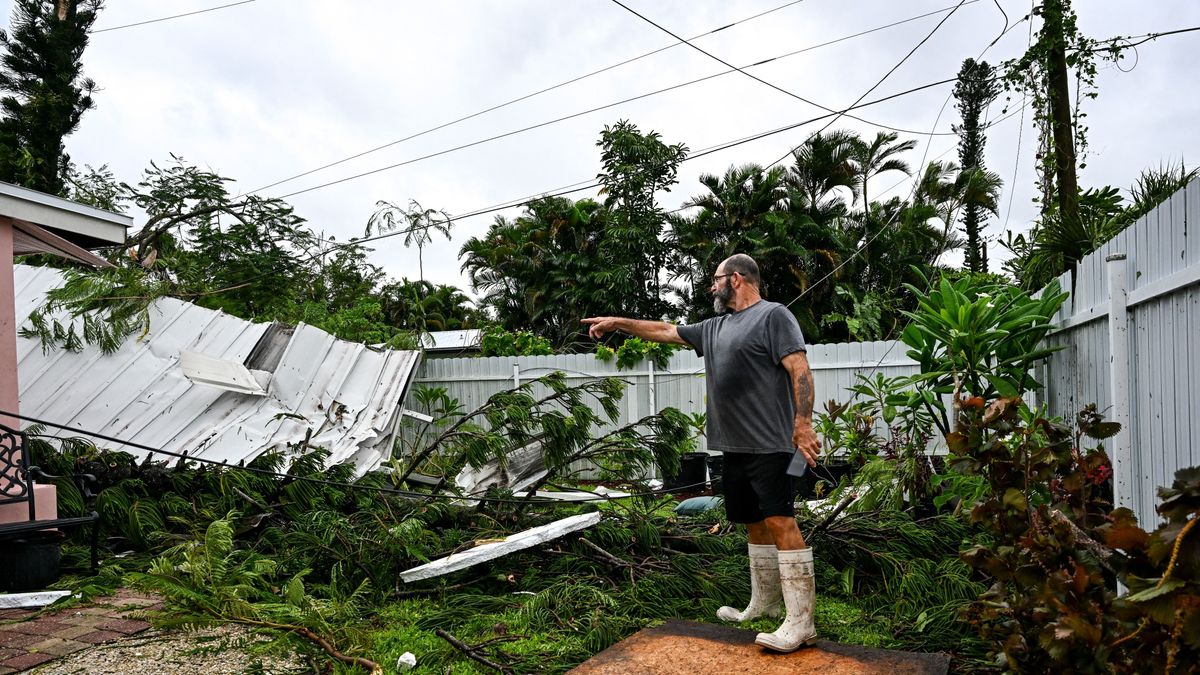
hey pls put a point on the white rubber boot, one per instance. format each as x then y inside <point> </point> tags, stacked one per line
<point>799,591</point>
<point>765,595</point>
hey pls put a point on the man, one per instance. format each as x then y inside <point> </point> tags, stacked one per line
<point>760,406</point>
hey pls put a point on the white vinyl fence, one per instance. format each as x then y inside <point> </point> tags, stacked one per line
<point>680,385</point>
<point>1131,338</point>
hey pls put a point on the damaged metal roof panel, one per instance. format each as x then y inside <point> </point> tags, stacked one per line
<point>347,396</point>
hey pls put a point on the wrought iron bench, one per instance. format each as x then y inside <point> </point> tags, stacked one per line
<point>18,475</point>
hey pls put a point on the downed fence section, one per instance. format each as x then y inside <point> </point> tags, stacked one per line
<point>216,386</point>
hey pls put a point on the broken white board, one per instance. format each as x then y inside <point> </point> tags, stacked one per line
<point>576,495</point>
<point>30,600</point>
<point>518,470</point>
<point>498,549</point>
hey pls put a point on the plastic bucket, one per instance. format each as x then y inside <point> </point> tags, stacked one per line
<point>30,562</point>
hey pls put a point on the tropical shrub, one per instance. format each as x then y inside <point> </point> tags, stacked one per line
<point>979,338</point>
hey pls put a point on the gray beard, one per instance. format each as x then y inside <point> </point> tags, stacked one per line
<point>721,299</point>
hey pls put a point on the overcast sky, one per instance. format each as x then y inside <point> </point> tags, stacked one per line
<point>265,90</point>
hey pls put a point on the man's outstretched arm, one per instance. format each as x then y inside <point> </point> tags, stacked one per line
<point>654,331</point>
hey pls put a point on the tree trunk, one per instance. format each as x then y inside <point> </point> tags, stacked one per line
<point>1060,113</point>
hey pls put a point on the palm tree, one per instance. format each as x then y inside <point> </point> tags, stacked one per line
<point>418,221</point>
<point>879,156</point>
<point>823,163</point>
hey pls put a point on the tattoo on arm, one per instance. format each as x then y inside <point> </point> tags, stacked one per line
<point>802,384</point>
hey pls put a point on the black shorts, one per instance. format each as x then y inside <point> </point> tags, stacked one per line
<point>757,486</point>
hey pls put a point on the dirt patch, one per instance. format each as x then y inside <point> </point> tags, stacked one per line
<point>216,651</point>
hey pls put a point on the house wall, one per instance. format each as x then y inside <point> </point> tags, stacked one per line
<point>8,326</point>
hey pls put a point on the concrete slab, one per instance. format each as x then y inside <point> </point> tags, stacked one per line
<point>687,647</point>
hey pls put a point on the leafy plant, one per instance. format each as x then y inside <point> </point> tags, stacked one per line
<point>495,341</point>
<point>634,350</point>
<point>975,337</point>
<point>1053,552</point>
<point>211,581</point>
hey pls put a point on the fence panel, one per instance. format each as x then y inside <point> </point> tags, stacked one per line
<point>681,385</point>
<point>1163,291</point>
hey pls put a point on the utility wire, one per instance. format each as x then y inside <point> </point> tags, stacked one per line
<point>881,81</point>
<point>522,98</point>
<point>340,484</point>
<point>915,184</point>
<point>510,133</point>
<point>174,16</point>
<point>566,190</point>
<point>732,69</point>
<point>772,85</point>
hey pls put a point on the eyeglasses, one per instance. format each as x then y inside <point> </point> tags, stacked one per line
<point>718,277</point>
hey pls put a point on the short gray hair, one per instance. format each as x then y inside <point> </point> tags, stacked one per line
<point>745,266</point>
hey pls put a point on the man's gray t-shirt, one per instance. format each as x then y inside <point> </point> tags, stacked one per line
<point>750,404</point>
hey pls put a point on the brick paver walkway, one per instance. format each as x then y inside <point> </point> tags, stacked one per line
<point>28,639</point>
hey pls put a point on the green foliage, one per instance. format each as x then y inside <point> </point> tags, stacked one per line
<point>634,351</point>
<point>102,309</point>
<point>495,341</point>
<point>562,420</point>
<point>44,92</point>
<point>635,168</point>
<point>974,92</point>
<point>419,224</point>
<point>251,257</point>
<point>977,338</point>
<point>1054,549</point>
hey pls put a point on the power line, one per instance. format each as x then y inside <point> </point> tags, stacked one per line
<point>569,189</point>
<point>174,16</point>
<point>510,133</point>
<point>331,483</point>
<point>627,100</point>
<point>914,192</point>
<point>524,97</point>
<point>774,86</point>
<point>1020,132</point>
<point>882,80</point>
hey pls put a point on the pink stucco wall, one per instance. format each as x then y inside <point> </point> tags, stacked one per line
<point>8,325</point>
<point>46,495</point>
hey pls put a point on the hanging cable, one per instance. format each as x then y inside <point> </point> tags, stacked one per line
<point>522,98</point>
<point>174,16</point>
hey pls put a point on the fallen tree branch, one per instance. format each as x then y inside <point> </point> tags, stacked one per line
<point>470,652</point>
<point>837,511</point>
<point>608,557</point>
<point>1103,553</point>
<point>371,666</point>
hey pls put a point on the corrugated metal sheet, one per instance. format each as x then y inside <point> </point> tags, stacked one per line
<point>347,396</point>
<point>452,340</point>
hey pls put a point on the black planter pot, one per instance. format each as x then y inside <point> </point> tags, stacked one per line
<point>30,562</point>
<point>692,472</point>
<point>830,473</point>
